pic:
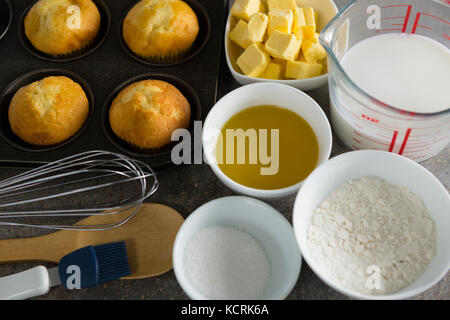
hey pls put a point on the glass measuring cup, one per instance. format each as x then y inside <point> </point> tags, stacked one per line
<point>362,121</point>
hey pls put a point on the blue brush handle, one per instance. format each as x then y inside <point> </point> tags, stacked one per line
<point>79,269</point>
<point>90,266</point>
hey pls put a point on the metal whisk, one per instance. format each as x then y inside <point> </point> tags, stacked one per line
<point>108,184</point>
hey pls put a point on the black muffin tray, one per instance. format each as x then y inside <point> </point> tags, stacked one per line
<point>103,69</point>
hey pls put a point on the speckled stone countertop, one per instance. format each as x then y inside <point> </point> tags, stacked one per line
<point>188,187</point>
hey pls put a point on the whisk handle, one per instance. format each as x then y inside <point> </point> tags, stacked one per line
<point>42,249</point>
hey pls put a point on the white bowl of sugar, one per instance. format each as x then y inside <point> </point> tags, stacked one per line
<point>236,248</point>
<point>408,210</point>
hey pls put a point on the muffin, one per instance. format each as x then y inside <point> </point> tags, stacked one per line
<point>146,113</point>
<point>160,30</point>
<point>49,111</point>
<point>62,27</point>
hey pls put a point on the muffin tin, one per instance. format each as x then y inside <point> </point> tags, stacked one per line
<point>103,70</point>
<point>6,17</point>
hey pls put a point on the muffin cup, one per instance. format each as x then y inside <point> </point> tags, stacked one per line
<point>105,27</point>
<point>76,54</point>
<point>6,17</point>
<point>6,96</point>
<point>181,56</point>
<point>164,153</point>
<point>168,58</point>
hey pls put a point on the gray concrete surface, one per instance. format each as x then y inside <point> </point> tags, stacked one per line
<point>185,189</point>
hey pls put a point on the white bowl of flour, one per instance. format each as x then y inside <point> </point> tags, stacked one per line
<point>374,225</point>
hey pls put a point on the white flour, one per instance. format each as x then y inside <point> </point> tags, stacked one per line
<point>372,237</point>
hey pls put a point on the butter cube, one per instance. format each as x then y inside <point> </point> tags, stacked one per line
<point>282,64</point>
<point>313,51</point>
<point>257,26</point>
<point>244,9</point>
<point>301,57</point>
<point>299,22</point>
<point>254,61</point>
<point>281,4</point>
<point>303,70</point>
<point>280,20</point>
<point>274,71</point>
<point>283,45</point>
<point>309,29</point>
<point>240,34</point>
<point>310,16</point>
<point>244,34</point>
<point>308,32</point>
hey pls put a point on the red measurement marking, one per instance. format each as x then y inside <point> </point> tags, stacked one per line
<point>417,25</point>
<point>446,36</point>
<point>394,29</point>
<point>408,14</point>
<point>425,27</point>
<point>370,119</point>
<point>375,141</point>
<point>430,15</point>
<point>412,114</point>
<point>394,18</point>
<point>418,148</point>
<point>396,5</point>
<point>405,141</point>
<point>378,102</point>
<point>394,139</point>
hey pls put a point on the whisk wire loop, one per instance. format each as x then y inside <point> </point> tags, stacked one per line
<point>94,173</point>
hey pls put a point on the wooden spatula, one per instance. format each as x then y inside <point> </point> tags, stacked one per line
<point>149,238</point>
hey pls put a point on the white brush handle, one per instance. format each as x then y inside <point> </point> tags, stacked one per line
<point>31,283</point>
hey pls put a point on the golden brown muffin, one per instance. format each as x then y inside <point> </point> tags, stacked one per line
<point>49,111</point>
<point>160,29</point>
<point>52,26</point>
<point>146,113</point>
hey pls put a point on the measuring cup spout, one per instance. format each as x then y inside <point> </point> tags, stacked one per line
<point>334,36</point>
<point>325,39</point>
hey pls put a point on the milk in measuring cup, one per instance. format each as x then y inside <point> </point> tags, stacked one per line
<point>408,71</point>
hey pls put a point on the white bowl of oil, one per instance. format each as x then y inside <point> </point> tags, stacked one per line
<point>266,94</point>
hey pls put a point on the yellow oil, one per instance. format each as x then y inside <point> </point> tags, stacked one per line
<point>298,148</point>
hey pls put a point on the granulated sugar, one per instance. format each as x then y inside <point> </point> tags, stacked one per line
<point>226,263</point>
<point>372,237</point>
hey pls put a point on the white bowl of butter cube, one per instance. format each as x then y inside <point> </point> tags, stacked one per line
<point>277,41</point>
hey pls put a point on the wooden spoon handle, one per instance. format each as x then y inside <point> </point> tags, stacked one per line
<point>30,249</point>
